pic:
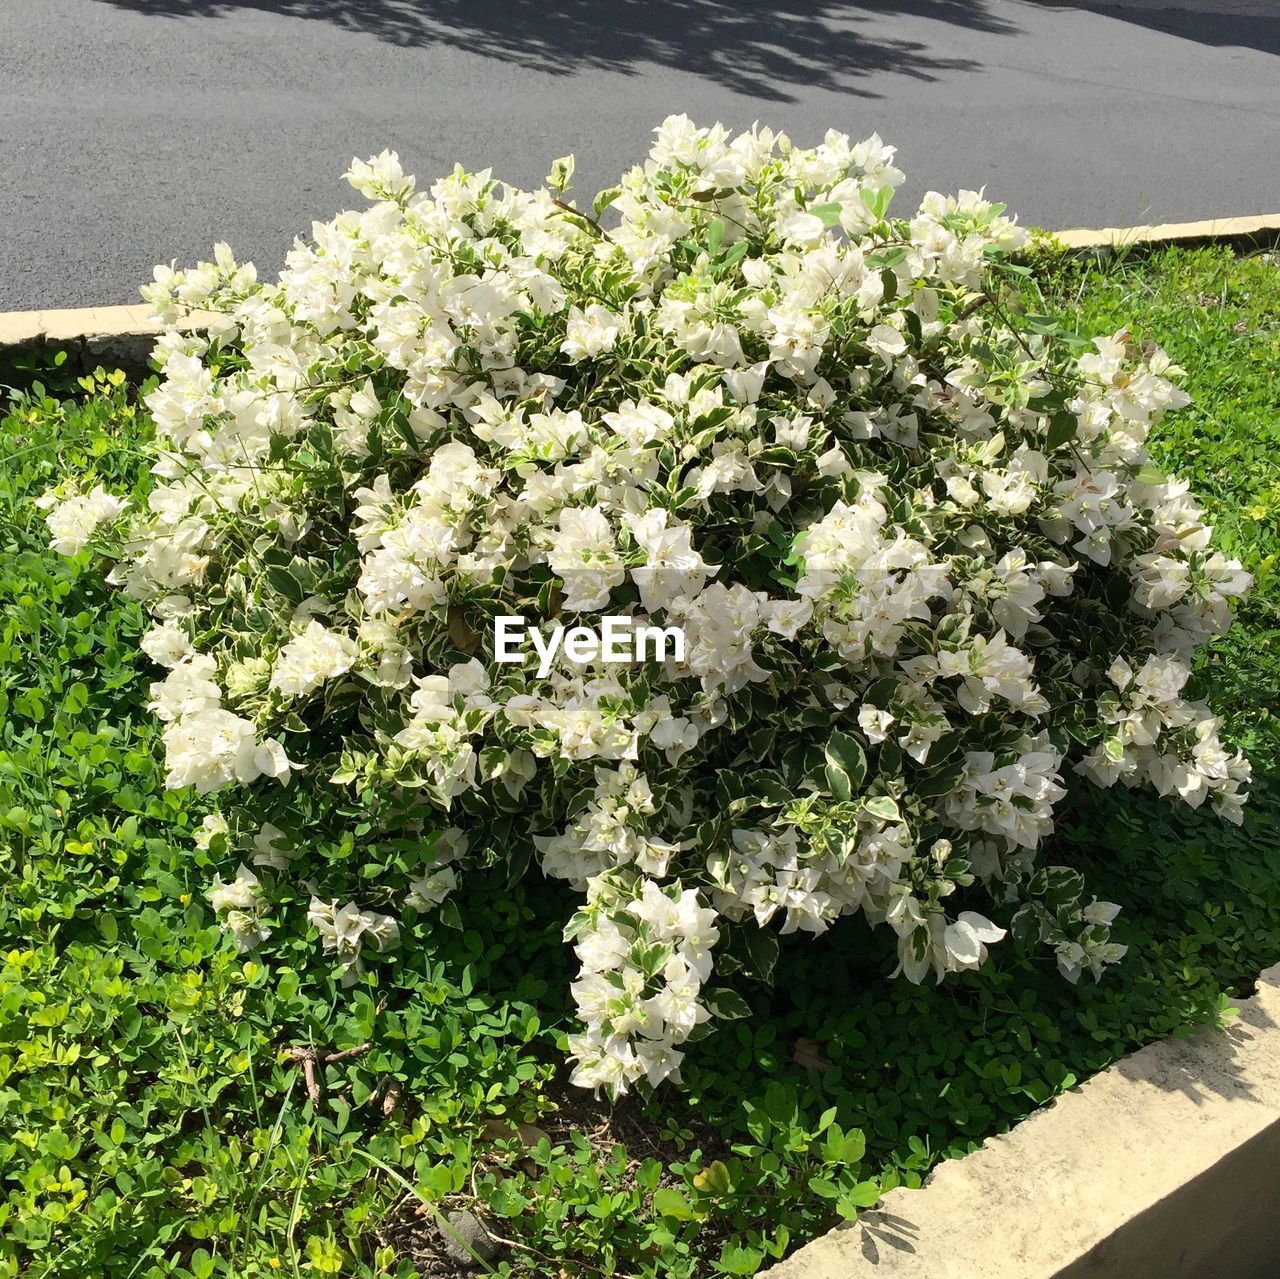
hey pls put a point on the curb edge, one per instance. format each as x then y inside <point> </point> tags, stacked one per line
<point>1210,229</point>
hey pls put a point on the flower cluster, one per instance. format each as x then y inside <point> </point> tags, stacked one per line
<point>921,559</point>
<point>73,517</point>
<point>645,951</point>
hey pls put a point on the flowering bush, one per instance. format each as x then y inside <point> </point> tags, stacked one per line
<point>910,532</point>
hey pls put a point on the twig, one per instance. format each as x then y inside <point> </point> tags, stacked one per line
<point>586,217</point>
<point>310,1057</point>
<point>391,1097</point>
<point>1037,360</point>
<point>345,1053</point>
<point>970,307</point>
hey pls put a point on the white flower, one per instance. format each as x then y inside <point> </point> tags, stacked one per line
<point>875,723</point>
<point>344,929</point>
<point>1097,912</point>
<point>1013,800</point>
<point>429,890</point>
<point>73,521</point>
<point>315,656</point>
<point>585,556</point>
<point>271,848</point>
<point>239,904</point>
<point>966,940</point>
<point>214,748</point>
<point>886,342</point>
<point>672,568</point>
<point>380,178</point>
<point>166,644</point>
<point>213,826</point>
<point>787,617</point>
<point>591,332</point>
<point>719,627</point>
<point>188,688</point>
<point>802,229</point>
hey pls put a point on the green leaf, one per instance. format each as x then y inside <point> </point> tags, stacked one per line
<point>726,1004</point>
<point>762,952</point>
<point>283,580</point>
<point>561,173</point>
<point>888,257</point>
<point>885,807</point>
<point>866,1194</point>
<point>939,782</point>
<point>879,693</point>
<point>201,1263</point>
<point>846,1148</point>
<point>671,1203</point>
<point>714,1179</point>
<point>1062,428</point>
<point>737,1259</point>
<point>846,765</point>
<point>604,199</point>
<point>877,201</point>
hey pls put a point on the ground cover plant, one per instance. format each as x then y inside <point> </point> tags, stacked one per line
<point>157,1118</point>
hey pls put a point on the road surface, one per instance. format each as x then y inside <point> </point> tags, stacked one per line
<point>138,131</point>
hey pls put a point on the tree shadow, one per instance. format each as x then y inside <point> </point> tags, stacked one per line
<point>763,48</point>
<point>1249,29</point>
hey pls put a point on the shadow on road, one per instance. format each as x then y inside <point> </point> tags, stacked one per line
<point>759,47</point>
<point>1255,25</point>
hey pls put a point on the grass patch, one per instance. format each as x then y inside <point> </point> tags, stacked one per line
<point>153,1122</point>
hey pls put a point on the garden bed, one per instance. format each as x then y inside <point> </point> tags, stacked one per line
<point>153,1122</point>
<point>1209,1103</point>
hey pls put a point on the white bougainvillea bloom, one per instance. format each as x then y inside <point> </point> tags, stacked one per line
<point>239,905</point>
<point>212,826</point>
<point>216,748</point>
<point>271,848</point>
<point>73,520</point>
<point>590,332</point>
<point>924,568</point>
<point>584,555</point>
<point>345,929</point>
<point>967,939</point>
<point>315,656</point>
<point>166,644</point>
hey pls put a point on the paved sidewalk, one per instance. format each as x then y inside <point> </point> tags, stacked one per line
<point>135,131</point>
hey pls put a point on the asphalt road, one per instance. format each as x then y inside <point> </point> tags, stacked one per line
<point>137,131</point>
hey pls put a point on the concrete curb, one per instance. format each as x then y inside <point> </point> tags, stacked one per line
<point>1255,228</point>
<point>1164,1164</point>
<point>18,328</point>
<point>122,336</point>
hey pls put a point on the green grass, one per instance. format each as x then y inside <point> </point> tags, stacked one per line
<point>151,1123</point>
